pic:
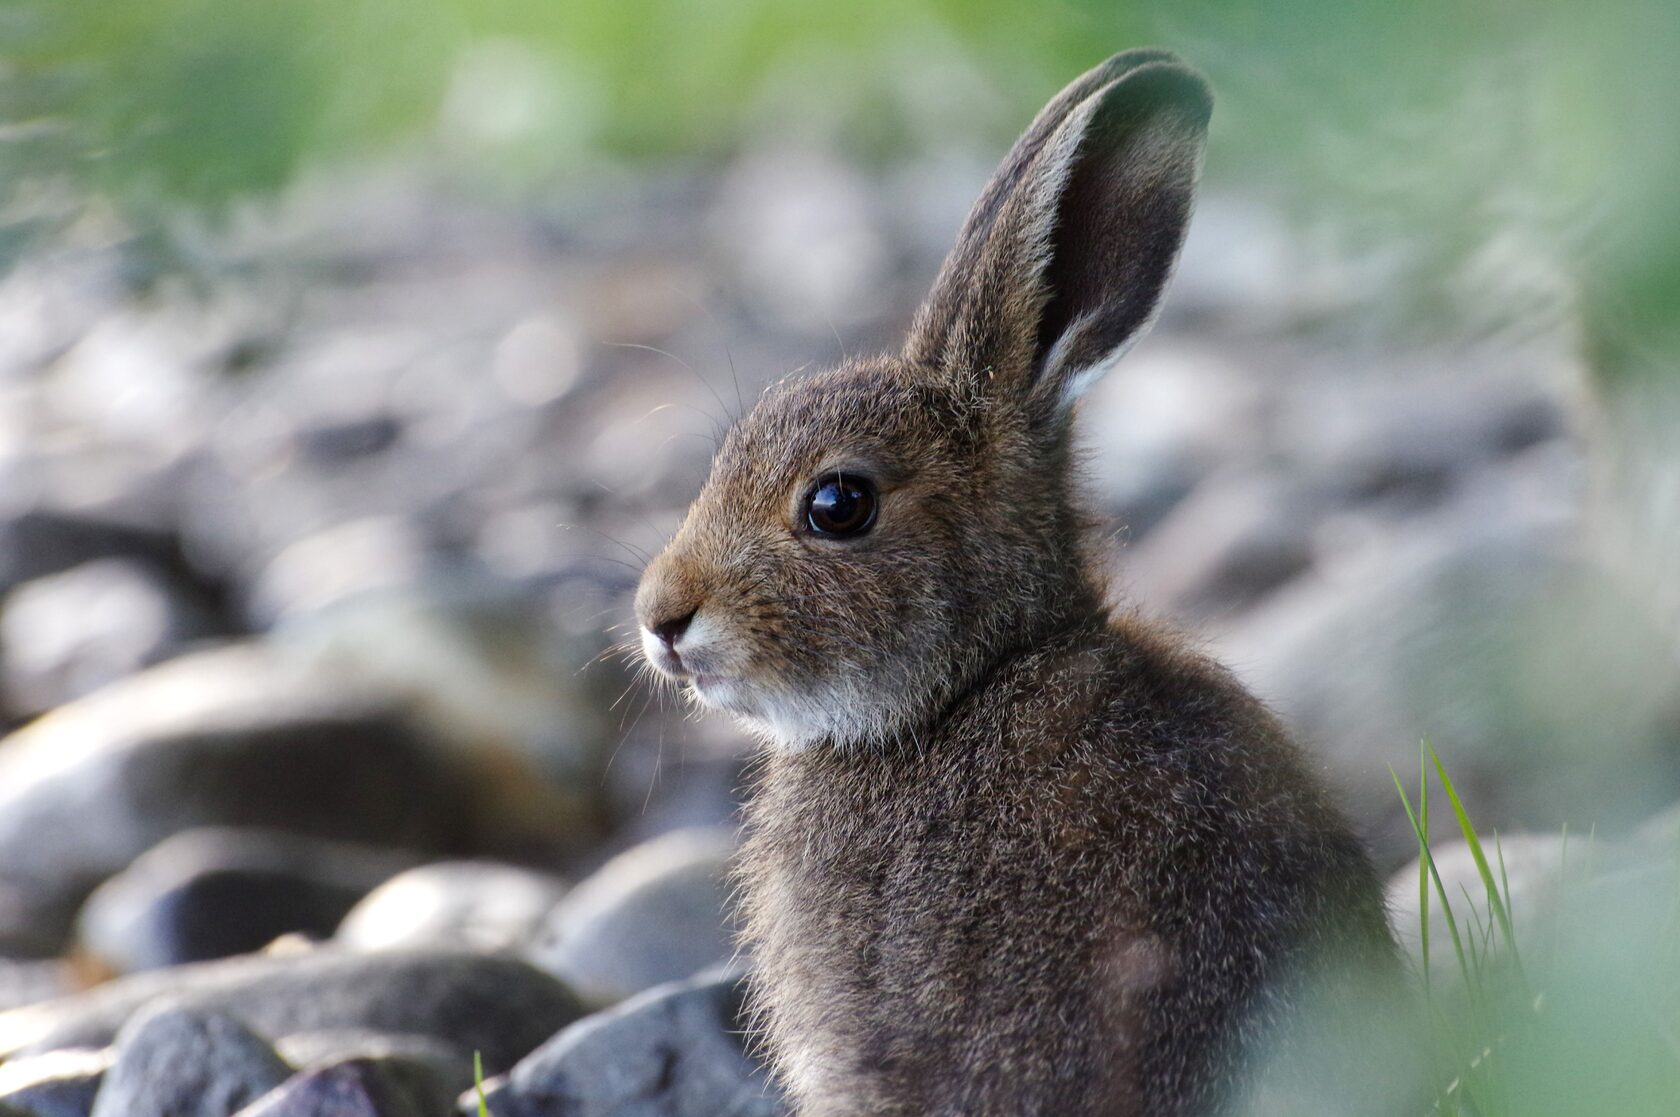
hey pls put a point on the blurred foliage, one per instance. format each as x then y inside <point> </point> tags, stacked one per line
<point>1522,147</point>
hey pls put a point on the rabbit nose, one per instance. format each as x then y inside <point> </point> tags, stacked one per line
<point>671,629</point>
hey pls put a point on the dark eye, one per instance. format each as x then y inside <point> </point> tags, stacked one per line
<point>841,506</point>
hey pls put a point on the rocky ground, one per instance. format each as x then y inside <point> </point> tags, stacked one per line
<point>322,776</point>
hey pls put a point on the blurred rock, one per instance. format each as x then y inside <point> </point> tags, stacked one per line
<point>36,917</point>
<point>36,542</point>
<point>368,554</point>
<point>236,736</point>
<point>674,777</point>
<point>1159,422</point>
<point>179,1062</point>
<point>356,1088</point>
<point>1533,864</point>
<point>497,1006</point>
<point>57,1084</point>
<point>802,231</point>
<point>469,905</point>
<point>30,981</point>
<point>1406,435</point>
<point>329,443</point>
<point>653,914</point>
<point>674,1051</point>
<point>1244,263</point>
<point>482,659</point>
<point>1236,538</point>
<point>444,1063</point>
<point>218,891</point>
<point>65,635</point>
<point>1492,642</point>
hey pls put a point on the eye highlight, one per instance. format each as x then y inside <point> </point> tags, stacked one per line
<point>841,506</point>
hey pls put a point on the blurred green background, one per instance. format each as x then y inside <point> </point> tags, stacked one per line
<point>1456,121</point>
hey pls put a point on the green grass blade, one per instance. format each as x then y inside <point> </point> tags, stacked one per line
<point>1495,901</point>
<point>478,1083</point>
<point>1435,876</point>
<point>1423,866</point>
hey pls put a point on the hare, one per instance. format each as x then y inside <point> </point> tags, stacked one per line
<point>1010,851</point>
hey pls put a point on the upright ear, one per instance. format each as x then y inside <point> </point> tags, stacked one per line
<point>1064,259</point>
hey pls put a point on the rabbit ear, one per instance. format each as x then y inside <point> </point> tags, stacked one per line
<point>1063,261</point>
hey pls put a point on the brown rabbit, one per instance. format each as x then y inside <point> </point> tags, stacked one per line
<point>1010,853</point>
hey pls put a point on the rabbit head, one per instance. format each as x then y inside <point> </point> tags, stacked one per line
<point>873,538</point>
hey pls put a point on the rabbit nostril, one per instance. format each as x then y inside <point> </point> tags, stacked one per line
<point>671,630</point>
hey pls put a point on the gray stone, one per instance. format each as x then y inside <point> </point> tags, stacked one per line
<point>238,736</point>
<point>374,553</point>
<point>653,914</point>
<point>474,905</point>
<point>1159,422</point>
<point>480,659</point>
<point>57,1084</point>
<point>26,981</point>
<point>1541,683</point>
<point>67,634</point>
<point>498,1006</point>
<point>446,1064</point>
<point>673,1051</point>
<point>174,1061</point>
<point>36,917</point>
<point>1405,435</point>
<point>1535,867</point>
<point>1233,540</point>
<point>219,891</point>
<point>36,542</point>
<point>804,233</point>
<point>355,1088</point>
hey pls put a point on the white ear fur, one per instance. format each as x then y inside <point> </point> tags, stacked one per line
<point>1076,382</point>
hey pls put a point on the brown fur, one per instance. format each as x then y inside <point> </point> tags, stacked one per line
<point>1014,854</point>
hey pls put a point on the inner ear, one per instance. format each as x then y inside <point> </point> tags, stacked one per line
<point>1117,225</point>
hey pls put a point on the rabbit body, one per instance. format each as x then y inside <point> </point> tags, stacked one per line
<point>1088,891</point>
<point>1009,854</point>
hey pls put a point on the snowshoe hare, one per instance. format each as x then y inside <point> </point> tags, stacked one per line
<point>1010,852</point>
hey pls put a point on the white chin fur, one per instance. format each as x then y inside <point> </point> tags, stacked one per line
<point>787,720</point>
<point>795,722</point>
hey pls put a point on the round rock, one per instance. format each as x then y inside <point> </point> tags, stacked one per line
<point>67,634</point>
<point>57,1084</point>
<point>447,1065</point>
<point>498,1006</point>
<point>473,905</point>
<point>239,736</point>
<point>674,1051</point>
<point>181,1062</point>
<point>355,1088</point>
<point>653,914</point>
<point>219,891</point>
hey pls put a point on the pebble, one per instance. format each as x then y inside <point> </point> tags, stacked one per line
<point>67,634</point>
<point>673,1051</point>
<point>56,1084</point>
<point>653,914</point>
<point>445,1063</point>
<point>473,905</point>
<point>498,1006</point>
<point>218,891</point>
<point>355,1088</point>
<point>174,1061</point>
<point>237,736</point>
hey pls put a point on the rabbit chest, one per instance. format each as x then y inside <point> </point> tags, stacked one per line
<point>966,918</point>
